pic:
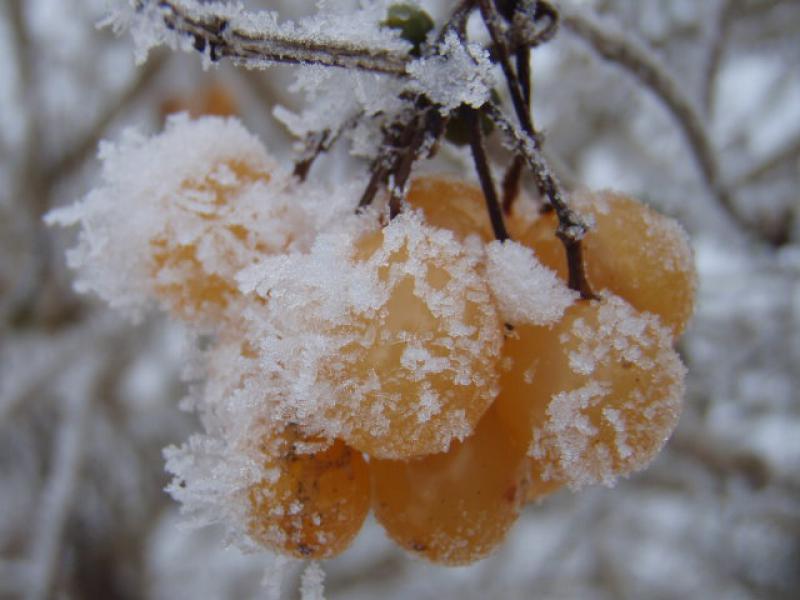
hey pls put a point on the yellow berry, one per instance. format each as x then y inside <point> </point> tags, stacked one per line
<point>454,507</point>
<point>631,251</point>
<point>594,396</point>
<point>453,204</point>
<point>183,281</point>
<point>420,370</point>
<point>310,503</point>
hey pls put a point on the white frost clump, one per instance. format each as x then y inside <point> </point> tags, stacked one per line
<point>312,583</point>
<point>178,215</point>
<point>330,323</point>
<point>526,292</point>
<point>459,74</point>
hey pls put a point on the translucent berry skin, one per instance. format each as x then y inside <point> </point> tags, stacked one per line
<point>459,206</point>
<point>422,370</point>
<point>594,397</point>
<point>632,251</point>
<point>309,505</point>
<point>182,282</point>
<point>455,507</point>
<point>449,203</point>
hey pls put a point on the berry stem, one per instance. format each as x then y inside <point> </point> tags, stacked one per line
<point>316,143</point>
<point>511,183</point>
<point>484,173</point>
<point>571,227</point>
<point>493,23</point>
<point>401,150</point>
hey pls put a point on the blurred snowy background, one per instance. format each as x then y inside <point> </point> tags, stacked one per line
<point>88,400</point>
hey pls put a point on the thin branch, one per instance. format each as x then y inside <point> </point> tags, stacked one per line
<point>526,17</point>
<point>319,142</point>
<point>404,143</point>
<point>485,174</point>
<point>790,151</point>
<point>427,130</point>
<point>59,490</point>
<point>82,148</point>
<point>213,34</point>
<point>399,174</point>
<point>571,227</point>
<point>395,136</point>
<point>513,176</point>
<point>512,181</point>
<point>316,143</point>
<point>613,45</point>
<point>719,40</point>
<point>494,25</point>
<point>457,21</point>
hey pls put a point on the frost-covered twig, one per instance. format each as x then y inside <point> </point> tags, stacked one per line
<point>404,143</point>
<point>719,39</point>
<point>612,44</point>
<point>571,227</point>
<point>494,25</point>
<point>790,151</point>
<point>428,129</point>
<point>517,41</point>
<point>218,35</point>
<point>318,142</point>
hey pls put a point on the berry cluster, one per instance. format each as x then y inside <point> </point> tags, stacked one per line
<point>418,368</point>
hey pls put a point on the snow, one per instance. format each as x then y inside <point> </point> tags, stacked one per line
<point>458,74</point>
<point>713,516</point>
<point>312,583</point>
<point>526,292</point>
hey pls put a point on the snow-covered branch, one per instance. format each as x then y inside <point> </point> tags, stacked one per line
<point>611,43</point>
<point>253,40</point>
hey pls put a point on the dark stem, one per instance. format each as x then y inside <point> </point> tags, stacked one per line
<point>571,227</point>
<point>380,173</point>
<point>513,176</point>
<point>403,144</point>
<point>526,17</point>
<point>511,183</point>
<point>402,169</point>
<point>457,21</point>
<point>493,23</point>
<point>319,142</point>
<point>316,144</point>
<point>484,173</point>
<point>523,56</point>
<point>575,266</point>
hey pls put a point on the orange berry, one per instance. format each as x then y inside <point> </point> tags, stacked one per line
<point>631,251</point>
<point>453,204</point>
<point>593,397</point>
<point>311,503</point>
<point>185,283</point>
<point>454,507</point>
<point>420,369</point>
